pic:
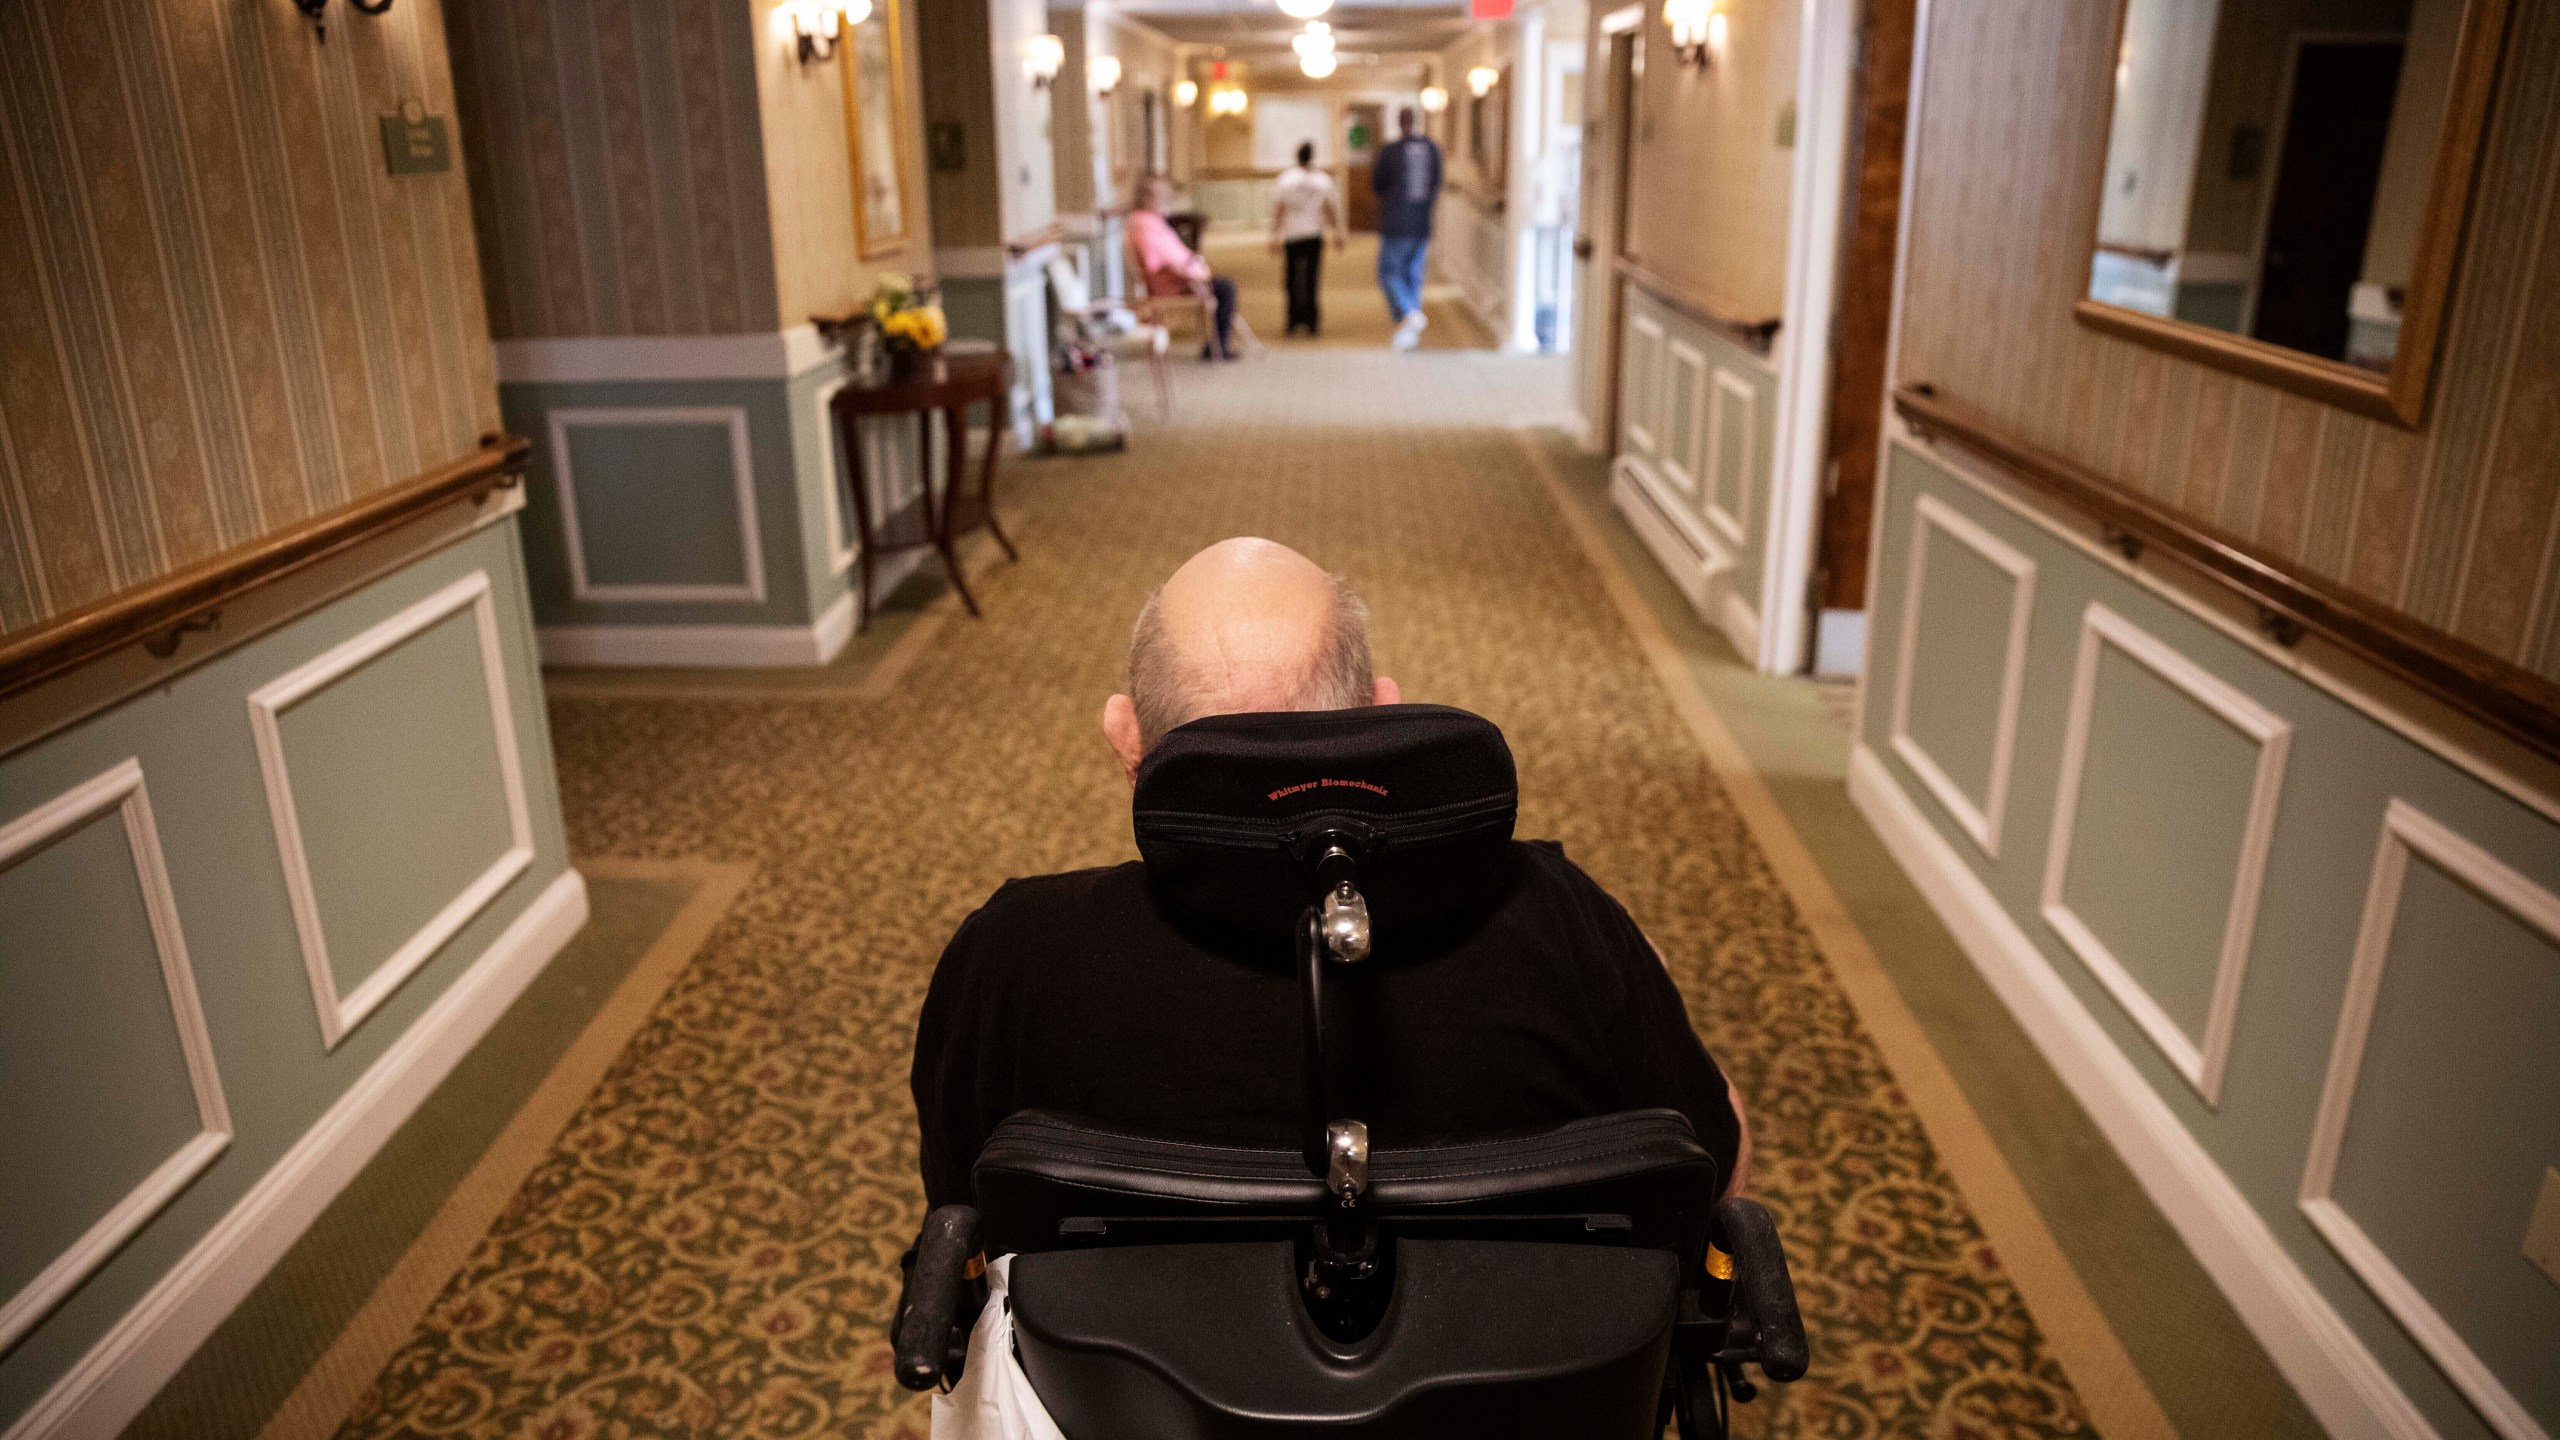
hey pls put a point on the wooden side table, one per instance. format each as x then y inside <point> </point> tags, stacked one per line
<point>947,387</point>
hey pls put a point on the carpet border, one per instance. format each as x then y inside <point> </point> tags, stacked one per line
<point>336,1381</point>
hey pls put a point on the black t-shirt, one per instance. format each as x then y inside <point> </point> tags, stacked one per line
<point>1076,993</point>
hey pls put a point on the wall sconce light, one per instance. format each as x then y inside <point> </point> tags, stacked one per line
<point>1228,100</point>
<point>1105,70</point>
<point>1042,55</point>
<point>317,12</point>
<point>1697,29</point>
<point>1434,99</point>
<point>1481,80</point>
<point>1185,92</point>
<point>816,25</point>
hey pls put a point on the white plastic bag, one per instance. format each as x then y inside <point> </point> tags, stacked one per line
<point>994,1399</point>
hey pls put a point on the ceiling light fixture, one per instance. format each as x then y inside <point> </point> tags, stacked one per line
<point>1304,9</point>
<point>1317,66</point>
<point>1316,39</point>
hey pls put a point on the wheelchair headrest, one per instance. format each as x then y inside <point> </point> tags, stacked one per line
<point>1227,807</point>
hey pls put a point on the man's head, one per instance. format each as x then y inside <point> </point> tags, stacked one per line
<point>1244,625</point>
<point>1406,122</point>
<point>1150,194</point>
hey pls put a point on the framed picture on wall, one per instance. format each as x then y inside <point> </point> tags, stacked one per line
<point>875,103</point>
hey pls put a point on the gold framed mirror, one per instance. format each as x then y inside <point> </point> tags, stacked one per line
<point>2286,187</point>
<point>877,123</point>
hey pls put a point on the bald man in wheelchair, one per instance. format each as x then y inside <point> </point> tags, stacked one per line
<point>1080,993</point>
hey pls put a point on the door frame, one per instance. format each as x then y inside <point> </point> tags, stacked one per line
<point>1826,57</point>
<point>1608,294</point>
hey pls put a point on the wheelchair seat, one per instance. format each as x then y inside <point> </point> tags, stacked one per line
<point>1583,1279</point>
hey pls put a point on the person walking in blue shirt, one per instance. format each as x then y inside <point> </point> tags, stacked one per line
<point>1407,179</point>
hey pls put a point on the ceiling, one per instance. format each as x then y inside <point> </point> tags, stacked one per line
<point>1249,28</point>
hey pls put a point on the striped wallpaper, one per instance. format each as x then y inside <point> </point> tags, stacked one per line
<point>218,313</point>
<point>618,175</point>
<point>2458,524</point>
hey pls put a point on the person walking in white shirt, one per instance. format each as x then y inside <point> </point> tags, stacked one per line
<point>1304,210</point>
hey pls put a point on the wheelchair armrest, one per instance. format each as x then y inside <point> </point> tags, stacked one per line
<point>939,1301</point>
<point>1763,1288</point>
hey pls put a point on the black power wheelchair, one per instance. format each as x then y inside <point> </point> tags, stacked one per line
<point>1583,1281</point>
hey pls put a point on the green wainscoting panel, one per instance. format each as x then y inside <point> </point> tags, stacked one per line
<point>194,742</point>
<point>1736,473</point>
<point>1733,462</point>
<point>2456,997</point>
<point>94,1093</point>
<point>1958,661</point>
<point>974,306</point>
<point>2215,304</point>
<point>2165,789</point>
<point>2456,1116</point>
<point>398,791</point>
<point>657,503</point>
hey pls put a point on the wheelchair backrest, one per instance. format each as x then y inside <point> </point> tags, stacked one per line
<point>1640,1175</point>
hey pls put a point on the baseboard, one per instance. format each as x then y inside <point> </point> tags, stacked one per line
<point>751,647</point>
<point>1840,643</point>
<point>1739,622</point>
<point>1698,565</point>
<point>129,1364</point>
<point>2345,1387</point>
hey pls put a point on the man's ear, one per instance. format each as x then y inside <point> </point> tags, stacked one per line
<point>1389,692</point>
<point>1120,727</point>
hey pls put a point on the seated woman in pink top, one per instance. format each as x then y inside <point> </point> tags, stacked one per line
<point>1173,268</point>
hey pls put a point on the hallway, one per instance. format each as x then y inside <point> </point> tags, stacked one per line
<point>713,1237</point>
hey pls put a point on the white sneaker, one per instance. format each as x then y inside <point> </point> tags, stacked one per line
<point>1409,334</point>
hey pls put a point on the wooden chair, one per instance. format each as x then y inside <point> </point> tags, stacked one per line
<point>1120,329</point>
<point>1193,309</point>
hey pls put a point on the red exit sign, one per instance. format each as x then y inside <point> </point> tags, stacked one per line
<point>1489,9</point>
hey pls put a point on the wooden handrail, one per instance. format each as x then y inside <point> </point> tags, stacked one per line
<point>158,613</point>
<point>2290,600</point>
<point>1755,336</point>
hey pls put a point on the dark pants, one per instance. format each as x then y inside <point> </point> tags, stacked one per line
<point>1222,295</point>
<point>1304,262</point>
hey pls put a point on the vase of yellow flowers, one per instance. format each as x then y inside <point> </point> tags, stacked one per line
<point>911,326</point>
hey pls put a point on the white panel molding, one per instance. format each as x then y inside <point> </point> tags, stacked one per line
<point>1981,820</point>
<point>2407,830</point>
<point>340,1014</point>
<point>2468,745</point>
<point>2341,1382</point>
<point>1730,391</point>
<point>766,355</point>
<point>1643,380</point>
<point>120,788</point>
<point>742,477</point>
<point>2200,1059</point>
<point>102,1393</point>
<point>841,550</point>
<point>1687,403</point>
<point>710,646</point>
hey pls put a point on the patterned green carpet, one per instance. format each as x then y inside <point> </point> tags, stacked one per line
<point>710,1247</point>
